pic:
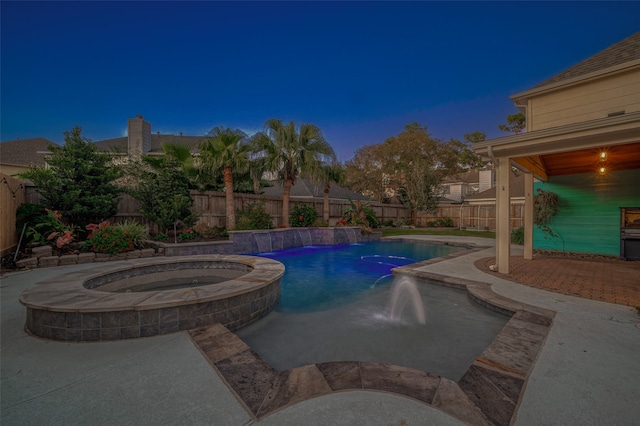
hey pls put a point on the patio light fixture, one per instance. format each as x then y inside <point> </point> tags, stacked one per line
<point>602,158</point>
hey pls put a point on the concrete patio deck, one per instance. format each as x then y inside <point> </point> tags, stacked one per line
<point>586,372</point>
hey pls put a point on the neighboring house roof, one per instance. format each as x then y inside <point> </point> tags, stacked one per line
<point>472,176</point>
<point>304,188</point>
<point>624,51</point>
<point>25,152</point>
<point>516,189</point>
<point>444,200</point>
<point>157,140</point>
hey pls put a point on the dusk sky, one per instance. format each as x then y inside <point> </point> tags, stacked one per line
<point>360,71</point>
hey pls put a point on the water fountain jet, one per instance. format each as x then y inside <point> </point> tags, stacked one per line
<point>405,297</point>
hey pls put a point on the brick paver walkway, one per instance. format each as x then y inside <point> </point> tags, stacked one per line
<point>614,281</point>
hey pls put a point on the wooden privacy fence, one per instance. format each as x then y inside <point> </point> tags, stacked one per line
<point>481,216</point>
<point>12,194</point>
<point>210,206</point>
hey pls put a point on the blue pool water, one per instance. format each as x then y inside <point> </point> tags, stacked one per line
<point>335,304</point>
<point>322,277</point>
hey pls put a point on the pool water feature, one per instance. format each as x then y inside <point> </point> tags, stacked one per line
<point>335,306</point>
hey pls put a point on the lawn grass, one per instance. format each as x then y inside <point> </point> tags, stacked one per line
<point>457,232</point>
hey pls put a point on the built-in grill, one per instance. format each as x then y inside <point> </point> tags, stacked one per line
<point>630,233</point>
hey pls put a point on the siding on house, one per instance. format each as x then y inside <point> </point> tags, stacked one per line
<point>619,92</point>
<point>588,220</point>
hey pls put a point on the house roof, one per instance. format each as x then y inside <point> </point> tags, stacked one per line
<point>516,189</point>
<point>622,52</point>
<point>157,140</point>
<point>25,152</point>
<point>472,176</point>
<point>304,188</point>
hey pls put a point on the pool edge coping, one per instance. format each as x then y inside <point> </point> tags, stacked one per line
<point>490,392</point>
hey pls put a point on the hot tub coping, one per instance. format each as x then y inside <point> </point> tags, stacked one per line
<point>66,293</point>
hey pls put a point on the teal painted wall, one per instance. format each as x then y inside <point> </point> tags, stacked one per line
<point>588,220</point>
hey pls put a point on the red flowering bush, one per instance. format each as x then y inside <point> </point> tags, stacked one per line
<point>188,235</point>
<point>115,239</point>
<point>303,215</point>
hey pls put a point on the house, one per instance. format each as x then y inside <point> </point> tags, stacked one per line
<point>141,141</point>
<point>459,187</point>
<point>306,190</point>
<point>19,155</point>
<point>582,142</point>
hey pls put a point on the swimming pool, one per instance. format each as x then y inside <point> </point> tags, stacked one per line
<point>334,305</point>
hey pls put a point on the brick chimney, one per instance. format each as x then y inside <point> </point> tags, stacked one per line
<point>139,135</point>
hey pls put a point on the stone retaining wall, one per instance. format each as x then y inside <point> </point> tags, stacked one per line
<point>240,242</point>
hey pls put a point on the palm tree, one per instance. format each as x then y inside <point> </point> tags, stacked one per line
<point>179,155</point>
<point>291,153</point>
<point>330,173</point>
<point>228,149</point>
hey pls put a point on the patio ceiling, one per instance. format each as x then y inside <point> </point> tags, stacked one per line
<point>618,157</point>
<point>572,149</point>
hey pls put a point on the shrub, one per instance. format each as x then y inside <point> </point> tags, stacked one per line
<point>302,215</point>
<point>441,222</point>
<point>161,237</point>
<point>517,235</point>
<point>136,231</point>
<point>361,214</point>
<point>163,193</point>
<point>115,239</point>
<point>188,235</point>
<point>445,222</point>
<point>255,216</point>
<point>211,232</point>
<point>51,230</point>
<point>30,214</point>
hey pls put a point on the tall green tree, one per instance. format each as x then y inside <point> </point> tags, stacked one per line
<point>516,123</point>
<point>365,173</point>
<point>410,165</point>
<point>290,152</point>
<point>79,181</point>
<point>227,149</point>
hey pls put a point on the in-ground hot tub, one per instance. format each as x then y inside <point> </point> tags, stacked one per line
<point>147,297</point>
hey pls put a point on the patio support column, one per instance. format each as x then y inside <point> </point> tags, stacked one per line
<point>528,215</point>
<point>503,215</point>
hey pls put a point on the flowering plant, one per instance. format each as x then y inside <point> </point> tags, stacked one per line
<point>303,215</point>
<point>188,235</point>
<point>115,239</point>
<point>51,230</point>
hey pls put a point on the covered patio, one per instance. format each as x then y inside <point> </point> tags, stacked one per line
<point>582,138</point>
<point>594,148</point>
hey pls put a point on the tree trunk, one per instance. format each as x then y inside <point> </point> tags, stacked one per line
<point>325,207</point>
<point>288,183</point>
<point>230,207</point>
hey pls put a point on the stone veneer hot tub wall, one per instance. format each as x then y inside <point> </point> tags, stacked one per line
<point>64,309</point>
